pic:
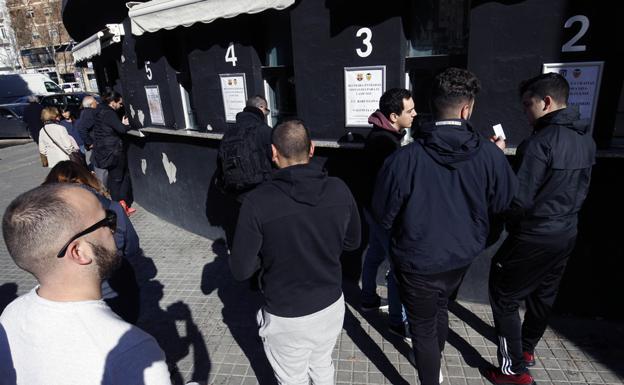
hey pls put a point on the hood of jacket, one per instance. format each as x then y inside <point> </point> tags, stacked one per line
<point>304,183</point>
<point>250,114</point>
<point>449,142</point>
<point>378,119</point>
<point>569,117</point>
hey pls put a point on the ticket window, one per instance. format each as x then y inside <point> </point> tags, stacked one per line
<point>437,39</point>
<point>277,69</point>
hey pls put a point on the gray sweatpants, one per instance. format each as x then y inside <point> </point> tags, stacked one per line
<point>300,348</point>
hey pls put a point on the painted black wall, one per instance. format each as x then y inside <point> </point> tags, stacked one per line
<point>509,42</point>
<point>147,60</point>
<point>324,42</point>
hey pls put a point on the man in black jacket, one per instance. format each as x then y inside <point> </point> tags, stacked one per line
<point>32,117</point>
<point>109,151</point>
<point>395,114</point>
<point>554,170</point>
<point>435,195</point>
<point>293,229</point>
<point>244,159</point>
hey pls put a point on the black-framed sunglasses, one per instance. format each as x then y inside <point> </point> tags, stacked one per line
<point>110,221</point>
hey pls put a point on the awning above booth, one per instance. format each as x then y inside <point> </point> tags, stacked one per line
<point>92,46</point>
<point>155,15</point>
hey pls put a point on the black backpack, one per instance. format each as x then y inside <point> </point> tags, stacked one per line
<point>242,162</point>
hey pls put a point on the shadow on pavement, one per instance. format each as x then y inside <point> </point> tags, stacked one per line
<point>162,324</point>
<point>240,305</point>
<point>600,340</point>
<point>363,340</point>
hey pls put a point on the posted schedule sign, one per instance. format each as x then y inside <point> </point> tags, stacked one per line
<point>155,106</point>
<point>234,91</point>
<point>584,79</point>
<point>363,88</point>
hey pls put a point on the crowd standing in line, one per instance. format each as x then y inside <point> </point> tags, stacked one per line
<point>429,211</point>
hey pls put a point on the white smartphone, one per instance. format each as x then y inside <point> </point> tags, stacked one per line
<point>498,131</point>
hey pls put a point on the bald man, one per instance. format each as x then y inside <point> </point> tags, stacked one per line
<point>61,332</point>
<point>293,229</point>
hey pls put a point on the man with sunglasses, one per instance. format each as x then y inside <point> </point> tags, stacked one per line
<point>61,332</point>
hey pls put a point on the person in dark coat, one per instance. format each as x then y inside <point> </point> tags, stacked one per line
<point>108,150</point>
<point>293,229</point>
<point>32,117</point>
<point>435,195</point>
<point>554,170</point>
<point>395,114</point>
<point>252,120</point>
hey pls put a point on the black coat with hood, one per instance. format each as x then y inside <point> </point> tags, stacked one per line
<point>436,194</point>
<point>294,228</point>
<point>381,142</point>
<point>107,137</point>
<point>554,170</point>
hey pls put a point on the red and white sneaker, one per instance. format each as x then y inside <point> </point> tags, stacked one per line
<point>496,377</point>
<point>529,358</point>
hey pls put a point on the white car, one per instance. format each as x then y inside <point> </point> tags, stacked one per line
<point>71,87</point>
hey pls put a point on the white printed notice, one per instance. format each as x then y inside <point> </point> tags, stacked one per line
<point>363,88</point>
<point>234,91</point>
<point>584,79</point>
<point>155,106</point>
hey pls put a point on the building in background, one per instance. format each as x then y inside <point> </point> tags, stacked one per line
<point>9,57</point>
<point>43,44</point>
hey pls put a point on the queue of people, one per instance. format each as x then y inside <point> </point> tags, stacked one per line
<point>428,209</point>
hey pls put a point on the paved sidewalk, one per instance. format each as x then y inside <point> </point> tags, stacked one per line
<point>205,321</point>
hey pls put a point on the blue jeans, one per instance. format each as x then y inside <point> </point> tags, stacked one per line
<point>378,245</point>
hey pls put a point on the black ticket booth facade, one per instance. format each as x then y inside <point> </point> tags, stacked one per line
<point>175,81</point>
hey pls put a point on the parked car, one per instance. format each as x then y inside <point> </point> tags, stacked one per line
<point>71,100</point>
<point>71,87</point>
<point>11,124</point>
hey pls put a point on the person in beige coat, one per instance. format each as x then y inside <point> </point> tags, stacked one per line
<point>54,141</point>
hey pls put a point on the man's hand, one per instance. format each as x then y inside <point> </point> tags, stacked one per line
<point>498,141</point>
<point>125,120</point>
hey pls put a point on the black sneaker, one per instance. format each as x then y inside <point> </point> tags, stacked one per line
<point>401,331</point>
<point>370,306</point>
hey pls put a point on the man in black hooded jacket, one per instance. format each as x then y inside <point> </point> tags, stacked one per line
<point>294,229</point>
<point>554,170</point>
<point>435,195</point>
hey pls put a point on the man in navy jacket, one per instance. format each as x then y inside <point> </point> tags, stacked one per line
<point>435,195</point>
<point>554,169</point>
<point>294,229</point>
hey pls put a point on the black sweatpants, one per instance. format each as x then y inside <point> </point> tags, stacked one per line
<point>425,298</point>
<point>530,271</point>
<point>119,181</point>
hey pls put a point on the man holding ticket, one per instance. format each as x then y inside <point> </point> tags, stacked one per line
<point>554,169</point>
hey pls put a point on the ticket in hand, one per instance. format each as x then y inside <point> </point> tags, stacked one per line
<point>498,131</point>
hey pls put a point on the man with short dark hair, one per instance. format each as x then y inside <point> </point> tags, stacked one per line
<point>395,114</point>
<point>294,229</point>
<point>436,195</point>
<point>244,158</point>
<point>61,332</point>
<point>554,170</point>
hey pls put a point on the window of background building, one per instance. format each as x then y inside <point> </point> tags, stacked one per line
<point>47,11</point>
<point>35,35</point>
<point>53,34</point>
<point>30,13</point>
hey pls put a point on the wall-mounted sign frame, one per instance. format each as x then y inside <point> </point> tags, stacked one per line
<point>154,104</point>
<point>234,92</point>
<point>584,79</point>
<point>363,88</point>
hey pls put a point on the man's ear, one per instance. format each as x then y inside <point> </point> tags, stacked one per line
<point>274,154</point>
<point>548,103</point>
<point>393,117</point>
<point>311,154</point>
<point>80,252</point>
